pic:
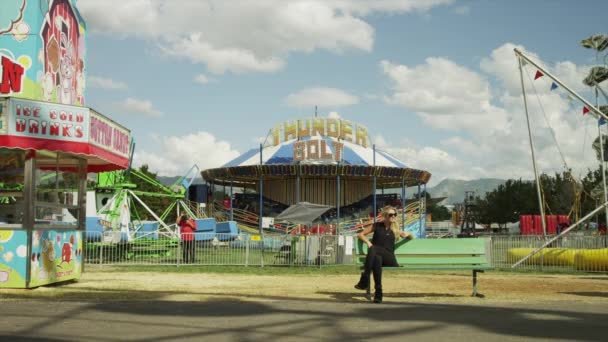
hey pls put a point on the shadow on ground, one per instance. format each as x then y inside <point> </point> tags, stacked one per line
<point>250,314</point>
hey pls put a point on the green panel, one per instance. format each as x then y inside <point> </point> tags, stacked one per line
<point>434,246</point>
<point>443,246</point>
<point>442,267</point>
<point>442,261</point>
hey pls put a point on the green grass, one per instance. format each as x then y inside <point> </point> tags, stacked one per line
<point>251,270</point>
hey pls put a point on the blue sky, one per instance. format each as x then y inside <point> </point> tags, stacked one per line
<point>434,81</point>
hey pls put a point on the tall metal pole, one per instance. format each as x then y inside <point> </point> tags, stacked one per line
<point>231,208</point>
<point>424,213</point>
<point>374,171</point>
<point>261,190</point>
<point>402,202</point>
<point>538,185</point>
<point>602,162</point>
<point>591,107</point>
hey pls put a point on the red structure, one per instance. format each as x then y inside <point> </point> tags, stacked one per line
<point>532,224</point>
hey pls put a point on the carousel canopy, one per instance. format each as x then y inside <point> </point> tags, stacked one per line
<point>351,154</point>
<point>317,148</point>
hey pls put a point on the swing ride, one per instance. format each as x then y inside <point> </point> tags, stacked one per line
<point>596,76</point>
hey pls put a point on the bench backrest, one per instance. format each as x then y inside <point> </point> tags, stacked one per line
<point>436,252</point>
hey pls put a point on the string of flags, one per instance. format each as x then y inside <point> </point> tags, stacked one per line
<point>554,86</point>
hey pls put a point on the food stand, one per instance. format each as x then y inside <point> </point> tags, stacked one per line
<point>49,141</point>
<point>46,151</point>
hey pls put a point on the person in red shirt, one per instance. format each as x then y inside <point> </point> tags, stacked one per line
<point>187,228</point>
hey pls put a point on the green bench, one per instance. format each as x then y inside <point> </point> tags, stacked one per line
<point>437,254</point>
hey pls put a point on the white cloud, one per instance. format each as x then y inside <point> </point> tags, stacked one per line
<point>245,36</point>
<point>137,106</point>
<point>489,128</point>
<point>105,83</point>
<point>333,115</point>
<point>322,97</point>
<point>201,78</point>
<point>176,154</point>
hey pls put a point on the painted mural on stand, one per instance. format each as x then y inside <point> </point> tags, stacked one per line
<point>13,258</point>
<point>56,256</point>
<point>43,51</point>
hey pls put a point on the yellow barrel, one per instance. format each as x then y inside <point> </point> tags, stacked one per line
<point>550,256</point>
<point>592,259</point>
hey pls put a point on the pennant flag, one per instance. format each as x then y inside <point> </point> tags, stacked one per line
<point>585,110</point>
<point>553,86</point>
<point>601,121</point>
<point>538,75</point>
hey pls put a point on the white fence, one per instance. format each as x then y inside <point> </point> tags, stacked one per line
<point>572,253</point>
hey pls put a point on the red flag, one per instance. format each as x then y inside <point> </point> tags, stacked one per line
<point>585,110</point>
<point>538,75</point>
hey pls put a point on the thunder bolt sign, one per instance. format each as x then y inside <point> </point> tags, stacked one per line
<point>42,51</point>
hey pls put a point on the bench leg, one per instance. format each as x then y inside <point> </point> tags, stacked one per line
<point>475,293</point>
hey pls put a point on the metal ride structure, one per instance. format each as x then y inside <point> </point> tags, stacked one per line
<point>326,161</point>
<point>117,210</point>
<point>596,76</point>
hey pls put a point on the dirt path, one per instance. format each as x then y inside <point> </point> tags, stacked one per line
<point>399,287</point>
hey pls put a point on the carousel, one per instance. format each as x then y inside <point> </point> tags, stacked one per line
<point>324,161</point>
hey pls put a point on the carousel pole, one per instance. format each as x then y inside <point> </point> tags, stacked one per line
<point>338,202</point>
<point>424,214</point>
<point>374,181</point>
<point>402,202</point>
<point>261,189</point>
<point>419,211</point>
<point>231,208</point>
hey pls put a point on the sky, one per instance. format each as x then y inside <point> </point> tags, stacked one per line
<point>435,81</point>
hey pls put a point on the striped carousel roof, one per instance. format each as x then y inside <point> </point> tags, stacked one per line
<point>352,154</point>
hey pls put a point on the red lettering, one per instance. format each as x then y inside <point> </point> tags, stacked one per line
<point>53,115</point>
<point>54,130</point>
<point>33,126</point>
<point>20,125</point>
<point>63,116</point>
<point>44,126</point>
<point>36,112</point>
<point>65,130</point>
<point>79,117</point>
<point>18,110</point>
<point>27,111</point>
<point>78,131</point>
<point>11,76</point>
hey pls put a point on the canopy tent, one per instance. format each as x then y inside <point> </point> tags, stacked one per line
<point>303,212</point>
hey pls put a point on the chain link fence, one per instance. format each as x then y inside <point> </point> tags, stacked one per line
<point>573,253</point>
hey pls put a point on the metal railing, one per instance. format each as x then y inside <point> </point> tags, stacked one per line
<point>573,253</point>
<point>113,248</point>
